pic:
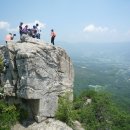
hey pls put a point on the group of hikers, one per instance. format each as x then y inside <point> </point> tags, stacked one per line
<point>33,32</point>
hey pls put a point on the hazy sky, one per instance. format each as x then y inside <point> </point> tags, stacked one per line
<point>73,20</point>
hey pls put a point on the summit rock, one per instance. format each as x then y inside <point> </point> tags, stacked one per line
<point>37,74</point>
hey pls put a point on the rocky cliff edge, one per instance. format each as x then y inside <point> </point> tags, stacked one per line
<point>37,74</point>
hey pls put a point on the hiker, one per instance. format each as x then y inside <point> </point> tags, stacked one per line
<point>38,31</point>
<point>53,35</point>
<point>34,31</point>
<point>25,30</point>
<point>20,29</point>
<point>9,37</point>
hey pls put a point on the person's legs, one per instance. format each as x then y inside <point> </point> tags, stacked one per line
<point>38,35</point>
<point>20,36</point>
<point>52,40</point>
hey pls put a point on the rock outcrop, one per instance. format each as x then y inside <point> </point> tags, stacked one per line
<point>49,124</point>
<point>38,73</point>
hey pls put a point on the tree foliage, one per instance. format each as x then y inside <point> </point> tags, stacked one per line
<point>8,115</point>
<point>65,112</point>
<point>100,114</point>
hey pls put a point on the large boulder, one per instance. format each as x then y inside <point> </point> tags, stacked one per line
<point>49,124</point>
<point>39,73</point>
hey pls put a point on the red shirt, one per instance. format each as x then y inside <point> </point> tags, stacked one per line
<point>8,37</point>
<point>53,34</point>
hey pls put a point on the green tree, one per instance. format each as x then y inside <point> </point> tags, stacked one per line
<point>102,113</point>
<point>65,111</point>
<point>8,115</point>
<point>99,114</point>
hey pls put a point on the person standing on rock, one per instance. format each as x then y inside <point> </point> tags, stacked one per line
<point>53,35</point>
<point>25,30</point>
<point>20,29</point>
<point>38,31</point>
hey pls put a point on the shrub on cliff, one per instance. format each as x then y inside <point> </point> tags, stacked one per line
<point>65,112</point>
<point>8,115</point>
<point>100,113</point>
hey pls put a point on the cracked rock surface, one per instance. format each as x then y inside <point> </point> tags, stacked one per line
<point>39,73</point>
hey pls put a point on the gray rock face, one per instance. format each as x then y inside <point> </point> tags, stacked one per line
<point>49,124</point>
<point>39,73</point>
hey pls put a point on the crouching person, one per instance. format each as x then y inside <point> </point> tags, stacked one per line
<point>9,37</point>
